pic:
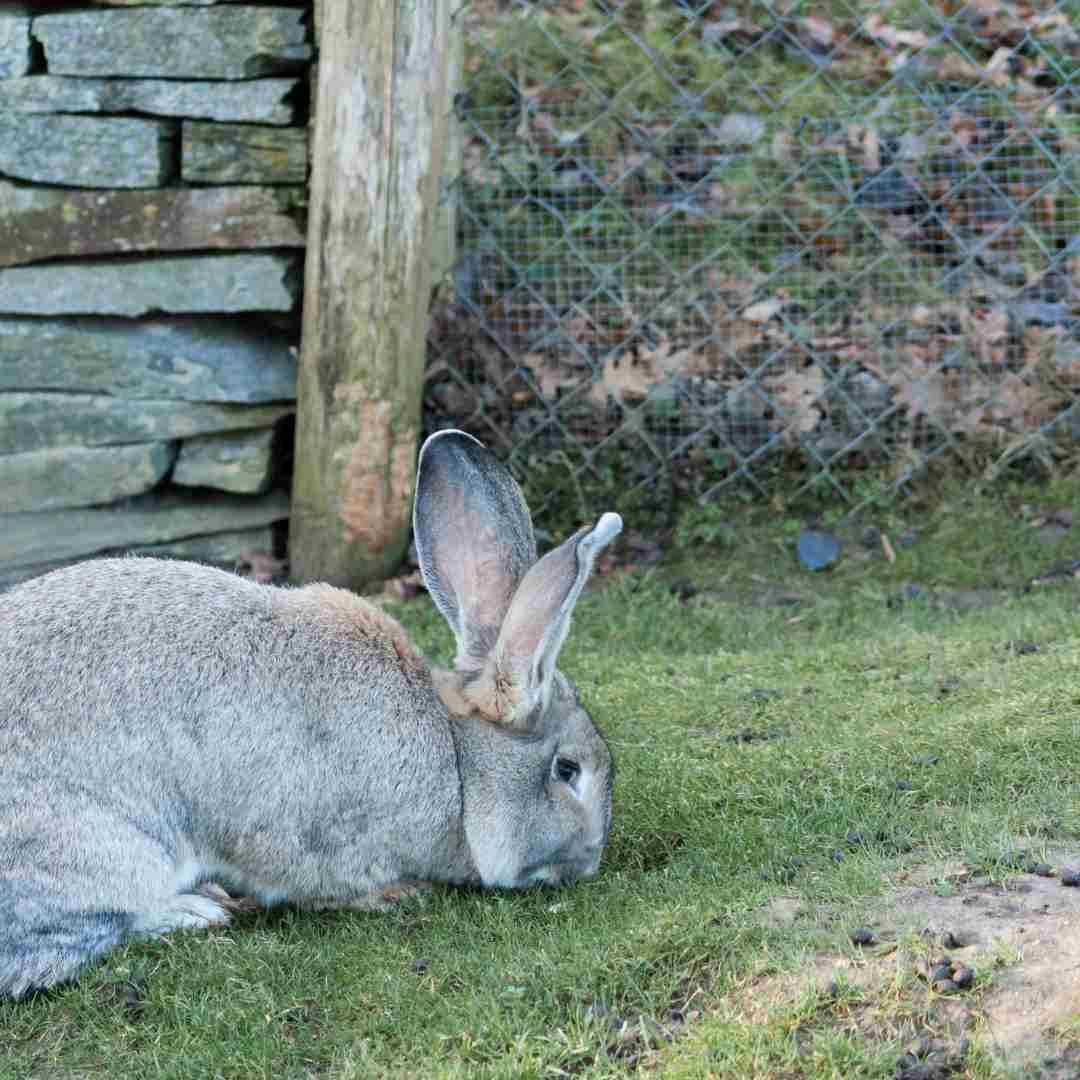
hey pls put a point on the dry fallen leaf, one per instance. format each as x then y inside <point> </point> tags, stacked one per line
<point>763,311</point>
<point>920,392</point>
<point>878,28</point>
<point>818,30</point>
<point>798,393</point>
<point>402,588</point>
<point>628,378</point>
<point>549,376</point>
<point>990,336</point>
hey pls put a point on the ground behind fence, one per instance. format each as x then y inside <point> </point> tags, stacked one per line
<point>717,248</point>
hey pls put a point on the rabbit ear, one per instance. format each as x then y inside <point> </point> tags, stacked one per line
<point>474,539</point>
<point>516,681</point>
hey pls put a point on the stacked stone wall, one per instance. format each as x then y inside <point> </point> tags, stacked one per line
<point>153,163</point>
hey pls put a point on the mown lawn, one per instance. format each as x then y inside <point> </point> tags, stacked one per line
<point>770,751</point>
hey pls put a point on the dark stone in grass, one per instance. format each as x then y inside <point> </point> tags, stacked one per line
<point>862,935</point>
<point>927,759</point>
<point>750,735</point>
<point>129,996</point>
<point>856,838</point>
<point>1062,571</point>
<point>927,1059</point>
<point>908,1067</point>
<point>1025,864</point>
<point>962,976</point>
<point>420,965</point>
<point>953,939</point>
<point>947,975</point>
<point>871,536</point>
<point>684,589</point>
<point>904,785</point>
<point>904,1064</point>
<point>817,549</point>
<point>1070,878</point>
<point>762,694</point>
<point>1021,648</point>
<point>920,1070</point>
<point>838,856</point>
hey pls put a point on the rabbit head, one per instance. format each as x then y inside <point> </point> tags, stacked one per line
<point>536,772</point>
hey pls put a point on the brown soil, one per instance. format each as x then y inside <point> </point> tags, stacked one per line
<point>1021,937</point>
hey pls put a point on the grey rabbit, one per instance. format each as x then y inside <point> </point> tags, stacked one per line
<point>165,726</point>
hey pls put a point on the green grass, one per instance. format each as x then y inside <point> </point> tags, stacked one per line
<point>753,742</point>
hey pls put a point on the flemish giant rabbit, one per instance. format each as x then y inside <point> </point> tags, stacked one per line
<point>164,725</point>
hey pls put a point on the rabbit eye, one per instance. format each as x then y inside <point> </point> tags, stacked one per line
<point>566,770</point>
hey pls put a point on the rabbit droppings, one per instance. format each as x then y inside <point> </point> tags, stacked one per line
<point>165,725</point>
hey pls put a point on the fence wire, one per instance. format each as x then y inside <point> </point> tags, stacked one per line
<point>707,246</point>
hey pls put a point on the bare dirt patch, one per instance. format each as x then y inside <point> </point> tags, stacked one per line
<point>1020,938</point>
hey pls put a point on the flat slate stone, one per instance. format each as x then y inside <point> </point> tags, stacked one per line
<point>70,476</point>
<point>193,358</point>
<point>155,3</point>
<point>175,43</point>
<point>188,283</point>
<point>38,421</point>
<point>242,154</point>
<point>30,539</point>
<point>85,151</point>
<point>14,44</point>
<point>236,461</point>
<point>47,223</point>
<point>258,101</point>
<point>221,549</point>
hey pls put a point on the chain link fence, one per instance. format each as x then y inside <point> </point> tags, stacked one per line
<point>706,246</point>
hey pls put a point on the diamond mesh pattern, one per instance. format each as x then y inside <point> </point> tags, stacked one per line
<point>703,246</point>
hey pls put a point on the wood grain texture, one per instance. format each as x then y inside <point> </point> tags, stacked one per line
<point>381,114</point>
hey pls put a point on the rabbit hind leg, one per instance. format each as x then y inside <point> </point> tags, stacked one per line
<point>73,888</point>
<point>43,943</point>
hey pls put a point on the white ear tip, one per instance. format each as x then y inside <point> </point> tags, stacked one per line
<point>607,528</point>
<point>449,432</point>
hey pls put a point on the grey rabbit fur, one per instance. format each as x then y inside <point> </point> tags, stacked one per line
<point>165,726</point>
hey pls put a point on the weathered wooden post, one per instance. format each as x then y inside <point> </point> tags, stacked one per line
<point>381,114</point>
